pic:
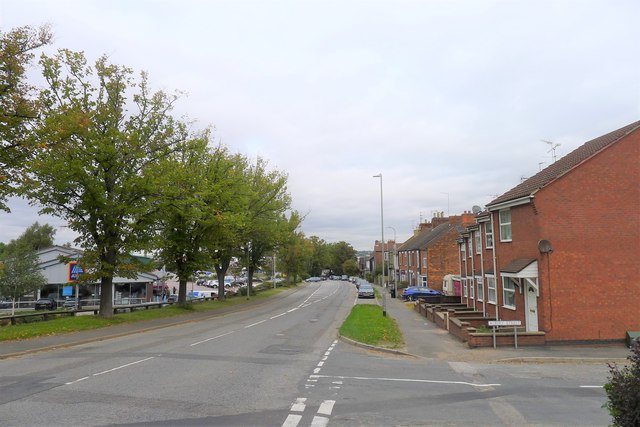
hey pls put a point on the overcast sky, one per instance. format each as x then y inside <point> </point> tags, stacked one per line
<point>449,100</point>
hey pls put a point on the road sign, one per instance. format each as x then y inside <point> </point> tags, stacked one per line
<point>504,323</point>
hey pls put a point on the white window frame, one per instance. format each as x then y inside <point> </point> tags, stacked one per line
<point>478,241</point>
<point>479,288</point>
<point>505,225</point>
<point>423,280</point>
<point>463,250</point>
<point>491,289</point>
<point>488,235</point>
<point>472,289</point>
<point>464,287</point>
<point>508,293</point>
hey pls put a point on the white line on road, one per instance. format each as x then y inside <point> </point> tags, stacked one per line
<point>409,380</point>
<point>299,404</point>
<point>319,421</point>
<point>254,324</point>
<point>76,381</point>
<point>591,386</point>
<point>277,315</point>
<point>292,420</point>
<point>326,407</point>
<point>209,339</point>
<point>123,366</point>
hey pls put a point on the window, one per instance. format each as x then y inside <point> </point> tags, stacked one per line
<point>470,246</point>
<point>424,262</point>
<point>488,235</point>
<point>464,288</point>
<point>423,280</point>
<point>505,225</point>
<point>480,288</point>
<point>463,250</point>
<point>471,288</point>
<point>508,293</point>
<point>491,290</point>
<point>478,241</point>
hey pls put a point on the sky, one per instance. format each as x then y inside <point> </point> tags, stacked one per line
<point>450,100</point>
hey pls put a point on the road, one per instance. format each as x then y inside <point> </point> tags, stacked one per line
<point>280,364</point>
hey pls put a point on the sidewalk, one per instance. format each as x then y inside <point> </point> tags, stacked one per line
<point>424,339</point>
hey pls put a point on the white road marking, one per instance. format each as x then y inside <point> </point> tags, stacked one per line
<point>254,324</point>
<point>409,380</point>
<point>292,420</point>
<point>76,381</point>
<point>591,386</point>
<point>316,370</point>
<point>277,315</point>
<point>213,338</point>
<point>293,309</point>
<point>326,407</point>
<point>319,421</point>
<point>122,366</point>
<point>299,404</point>
<point>320,364</point>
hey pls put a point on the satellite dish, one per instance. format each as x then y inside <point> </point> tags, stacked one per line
<point>476,209</point>
<point>544,246</point>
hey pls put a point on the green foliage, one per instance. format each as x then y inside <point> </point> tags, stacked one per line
<point>623,391</point>
<point>18,104</point>
<point>20,273</point>
<point>34,238</point>
<point>101,135</point>
<point>366,324</point>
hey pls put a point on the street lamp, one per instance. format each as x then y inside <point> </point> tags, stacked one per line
<point>381,225</point>
<point>395,281</point>
<point>384,305</point>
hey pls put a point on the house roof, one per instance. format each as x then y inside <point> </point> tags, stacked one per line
<point>564,165</point>
<point>425,237</point>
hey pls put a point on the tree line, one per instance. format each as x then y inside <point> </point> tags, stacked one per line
<point>100,149</point>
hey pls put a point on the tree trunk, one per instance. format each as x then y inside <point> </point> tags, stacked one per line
<point>106,297</point>
<point>182,291</point>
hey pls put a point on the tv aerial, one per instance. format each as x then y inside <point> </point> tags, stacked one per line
<point>553,145</point>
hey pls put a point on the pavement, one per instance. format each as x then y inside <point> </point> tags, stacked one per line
<point>423,339</point>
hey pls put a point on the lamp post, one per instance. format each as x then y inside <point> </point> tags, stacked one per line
<point>395,281</point>
<point>381,225</point>
<point>384,301</point>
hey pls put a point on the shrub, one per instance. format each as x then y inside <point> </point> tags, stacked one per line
<point>623,391</point>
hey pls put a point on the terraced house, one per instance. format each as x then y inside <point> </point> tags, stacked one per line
<point>560,251</point>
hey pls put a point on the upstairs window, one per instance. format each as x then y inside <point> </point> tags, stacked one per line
<point>505,225</point>
<point>488,235</point>
<point>463,250</point>
<point>478,241</point>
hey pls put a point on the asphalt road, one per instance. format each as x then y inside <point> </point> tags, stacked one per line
<point>280,364</point>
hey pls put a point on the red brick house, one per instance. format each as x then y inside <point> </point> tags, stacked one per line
<point>560,251</point>
<point>432,252</point>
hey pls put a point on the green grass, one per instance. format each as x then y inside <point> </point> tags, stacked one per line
<point>366,324</point>
<point>69,324</point>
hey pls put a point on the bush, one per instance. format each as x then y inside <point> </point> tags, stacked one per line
<point>623,391</point>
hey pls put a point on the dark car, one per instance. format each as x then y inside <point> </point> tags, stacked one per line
<point>414,292</point>
<point>172,298</point>
<point>365,290</point>
<point>5,303</point>
<point>45,304</point>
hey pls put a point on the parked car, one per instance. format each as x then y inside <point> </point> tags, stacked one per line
<point>71,304</point>
<point>313,279</point>
<point>172,298</point>
<point>412,293</point>
<point>365,290</point>
<point>5,303</point>
<point>45,304</point>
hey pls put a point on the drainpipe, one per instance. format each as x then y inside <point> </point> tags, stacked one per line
<point>473,270</point>
<point>484,295</point>
<point>495,267</point>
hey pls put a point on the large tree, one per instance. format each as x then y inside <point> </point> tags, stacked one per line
<point>18,102</point>
<point>265,227</point>
<point>20,274</point>
<point>101,135</point>
<point>35,237</point>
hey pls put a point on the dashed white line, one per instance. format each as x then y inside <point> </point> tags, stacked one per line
<point>76,381</point>
<point>277,315</point>
<point>591,386</point>
<point>292,420</point>
<point>254,324</point>
<point>122,366</point>
<point>319,421</point>
<point>213,338</point>
<point>326,407</point>
<point>299,404</point>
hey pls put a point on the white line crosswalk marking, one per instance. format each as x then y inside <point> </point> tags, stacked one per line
<point>319,421</point>
<point>292,420</point>
<point>299,404</point>
<point>326,407</point>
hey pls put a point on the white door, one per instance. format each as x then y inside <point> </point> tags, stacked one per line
<point>532,309</point>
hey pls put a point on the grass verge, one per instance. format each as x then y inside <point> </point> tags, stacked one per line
<point>65,324</point>
<point>367,325</point>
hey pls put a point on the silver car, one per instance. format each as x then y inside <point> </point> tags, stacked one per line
<point>365,290</point>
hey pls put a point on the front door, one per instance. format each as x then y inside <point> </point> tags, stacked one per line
<point>532,309</point>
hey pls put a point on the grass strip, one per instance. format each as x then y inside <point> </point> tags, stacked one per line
<point>366,324</point>
<point>67,324</point>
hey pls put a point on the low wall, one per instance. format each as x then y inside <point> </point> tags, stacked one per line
<point>505,339</point>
